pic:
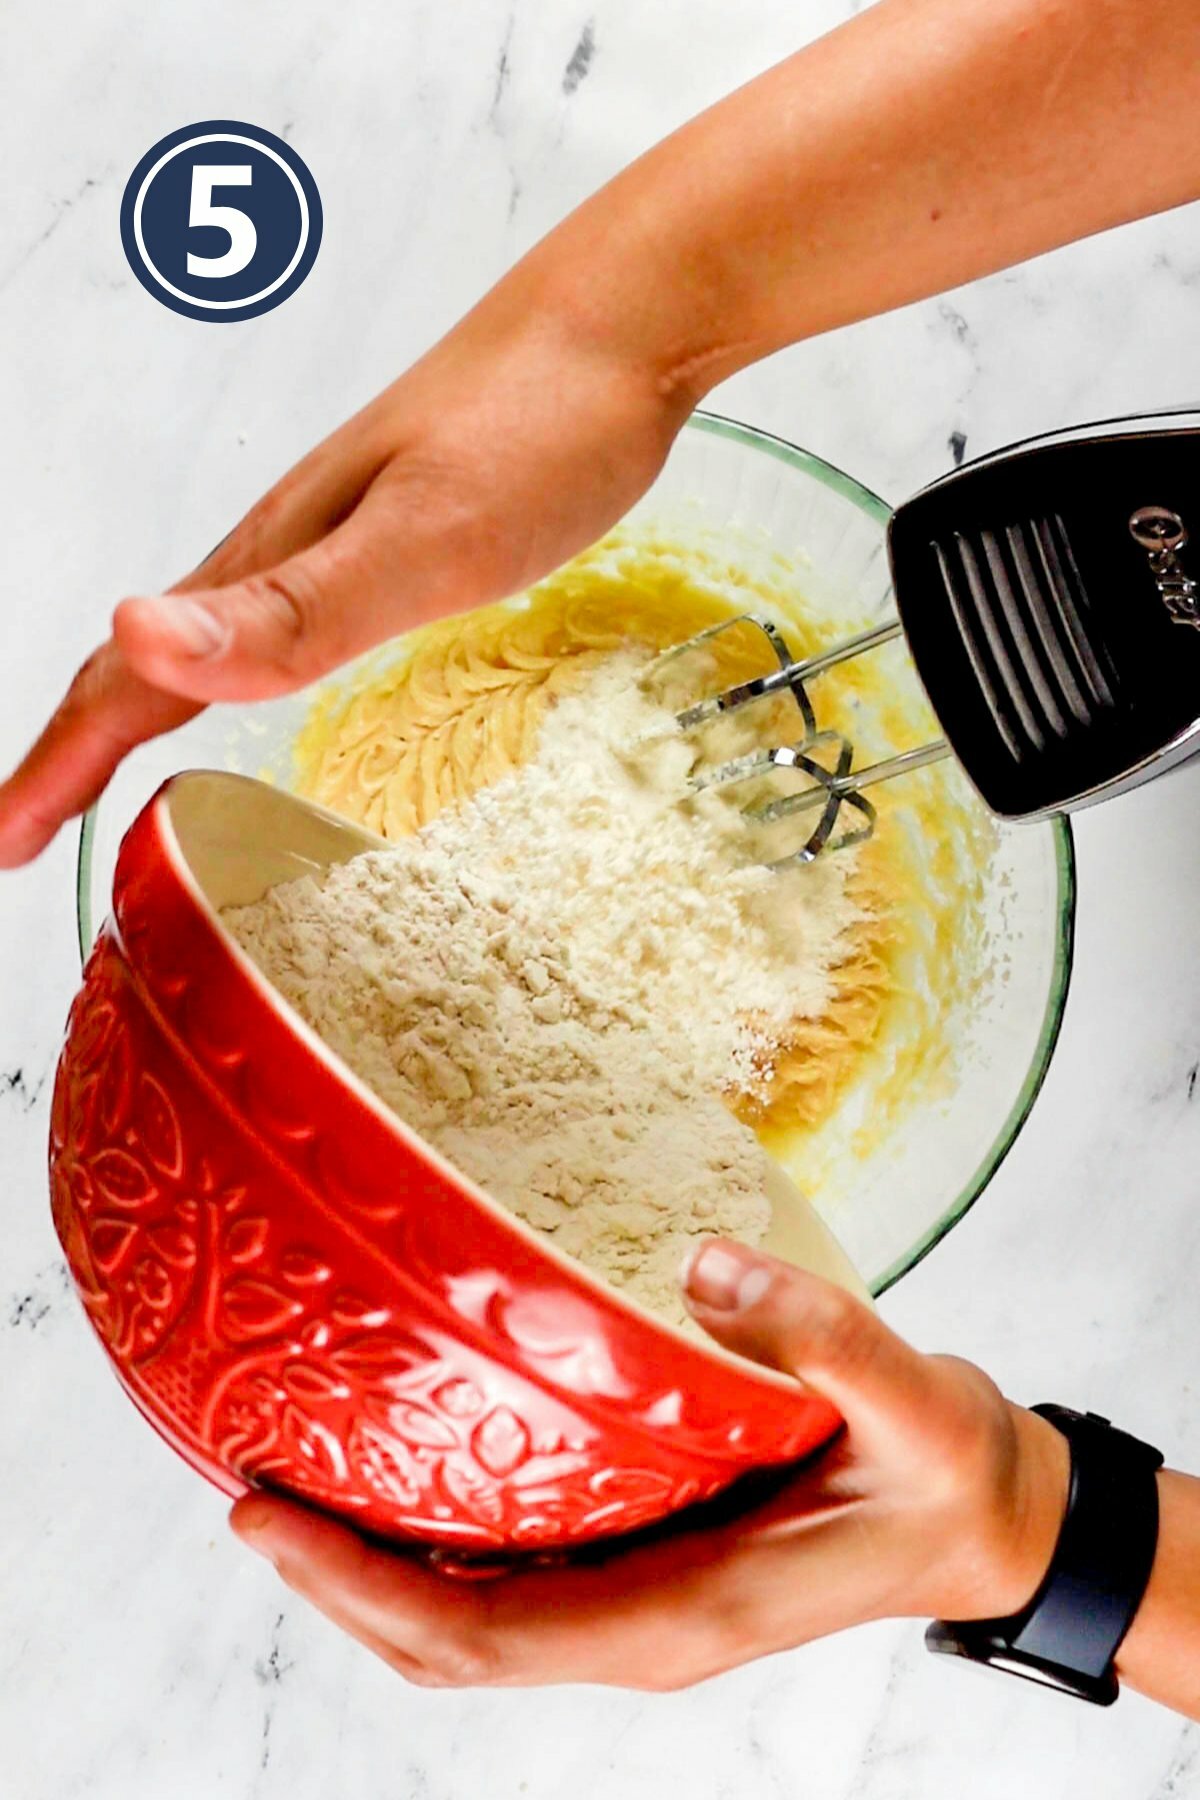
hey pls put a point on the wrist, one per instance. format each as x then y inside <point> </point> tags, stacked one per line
<point>632,277</point>
<point>1152,1656</point>
<point>570,336</point>
<point>1097,1618</point>
<point>1008,1525</point>
<point>1036,1507</point>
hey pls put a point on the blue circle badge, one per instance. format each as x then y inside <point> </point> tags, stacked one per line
<point>221,221</point>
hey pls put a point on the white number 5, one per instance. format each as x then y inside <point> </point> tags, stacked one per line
<point>243,239</point>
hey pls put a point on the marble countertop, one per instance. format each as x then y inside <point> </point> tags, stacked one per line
<point>143,1654</point>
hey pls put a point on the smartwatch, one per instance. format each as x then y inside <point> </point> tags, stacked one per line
<point>1068,1635</point>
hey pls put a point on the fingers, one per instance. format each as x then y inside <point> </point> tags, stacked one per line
<point>385,1599</point>
<point>311,499</point>
<point>107,710</point>
<point>862,1533</point>
<point>265,635</point>
<point>796,1322</point>
<point>652,1618</point>
<point>113,705</point>
<point>281,627</point>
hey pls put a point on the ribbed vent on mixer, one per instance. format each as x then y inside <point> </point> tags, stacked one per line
<point>1027,627</point>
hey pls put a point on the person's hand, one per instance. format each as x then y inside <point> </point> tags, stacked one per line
<point>513,444</point>
<point>532,427</point>
<point>939,1499</point>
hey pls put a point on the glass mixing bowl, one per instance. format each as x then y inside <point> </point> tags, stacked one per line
<point>891,1193</point>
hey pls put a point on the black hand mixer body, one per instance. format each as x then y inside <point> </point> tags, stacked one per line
<point>1050,597</point>
<point>1051,601</point>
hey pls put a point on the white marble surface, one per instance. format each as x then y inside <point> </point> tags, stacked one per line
<point>143,1655</point>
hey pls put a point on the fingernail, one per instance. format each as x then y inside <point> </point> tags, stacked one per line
<point>724,1279</point>
<point>196,631</point>
<point>252,1520</point>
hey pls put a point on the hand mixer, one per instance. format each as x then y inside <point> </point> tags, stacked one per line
<point>1051,607</point>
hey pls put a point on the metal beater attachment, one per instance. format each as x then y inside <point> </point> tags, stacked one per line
<point>825,757</point>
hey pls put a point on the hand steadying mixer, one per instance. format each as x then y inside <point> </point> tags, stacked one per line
<point>1040,591</point>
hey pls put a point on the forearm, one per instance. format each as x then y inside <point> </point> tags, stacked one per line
<point>1161,1653</point>
<point>925,143</point>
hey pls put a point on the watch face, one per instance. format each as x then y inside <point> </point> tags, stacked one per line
<point>1099,1690</point>
<point>1078,1687</point>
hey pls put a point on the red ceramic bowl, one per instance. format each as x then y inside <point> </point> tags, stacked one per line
<point>297,1291</point>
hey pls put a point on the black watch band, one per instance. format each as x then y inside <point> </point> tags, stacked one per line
<point>1069,1633</point>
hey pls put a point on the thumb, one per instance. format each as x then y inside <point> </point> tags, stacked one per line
<point>275,630</point>
<point>789,1320</point>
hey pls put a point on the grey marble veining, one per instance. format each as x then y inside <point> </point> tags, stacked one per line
<point>144,1655</point>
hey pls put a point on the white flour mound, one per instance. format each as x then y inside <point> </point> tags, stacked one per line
<point>557,982</point>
